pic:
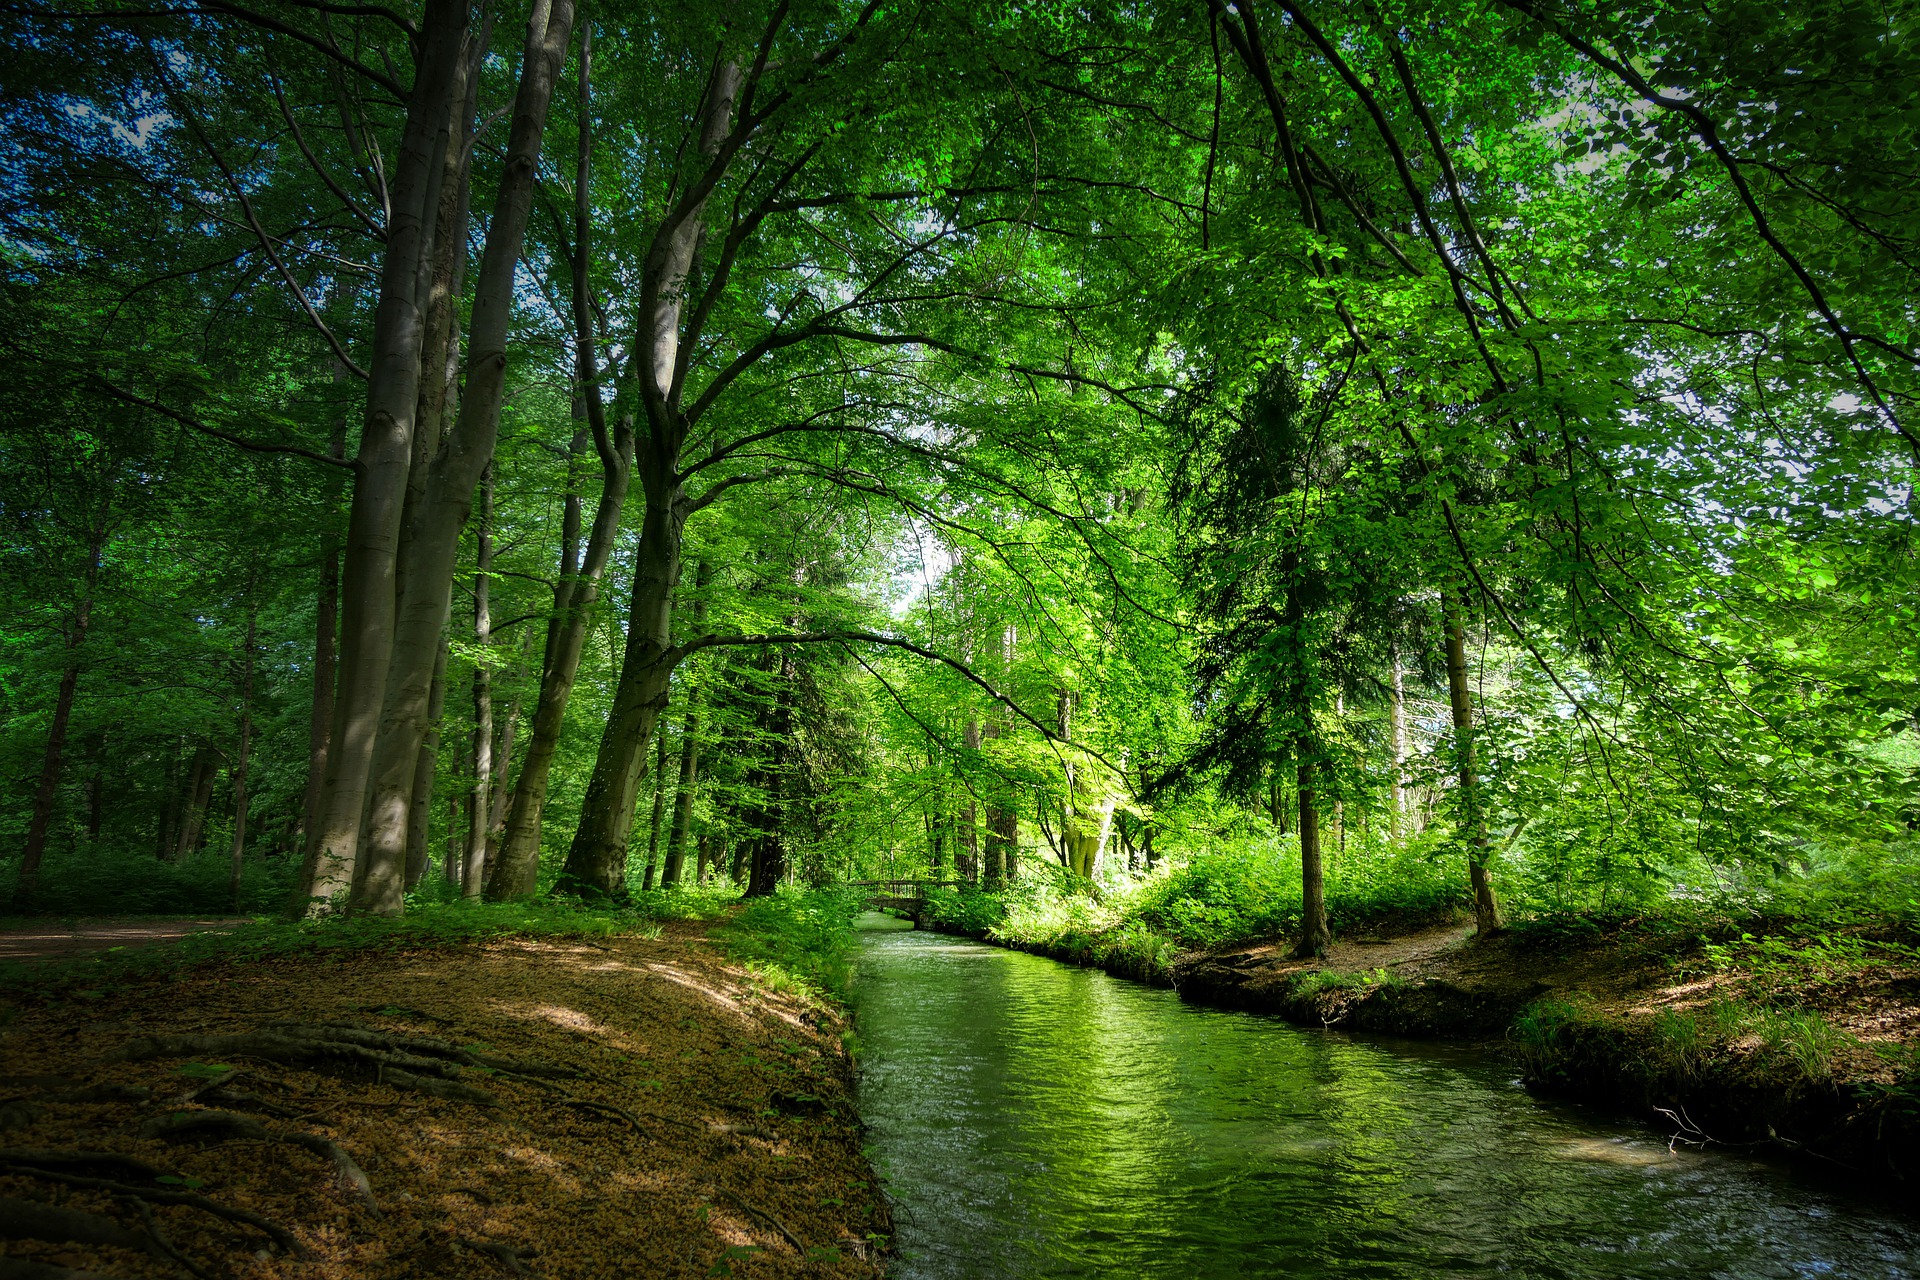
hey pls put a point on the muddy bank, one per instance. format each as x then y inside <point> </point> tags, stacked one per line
<point>1807,1048</point>
<point>554,1107</point>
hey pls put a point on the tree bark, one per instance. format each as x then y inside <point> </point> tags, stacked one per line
<point>206,766</point>
<point>1398,726</point>
<point>596,858</point>
<point>689,747</point>
<point>326,626</point>
<point>48,791</point>
<point>659,778</point>
<point>1473,815</point>
<point>241,760</point>
<point>1315,937</point>
<point>433,536</point>
<point>386,444</point>
<point>578,588</point>
<point>420,815</point>
<point>479,803</point>
<point>169,830</point>
<point>770,851</point>
<point>966,853</point>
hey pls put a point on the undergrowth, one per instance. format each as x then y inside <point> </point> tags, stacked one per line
<point>1559,1039</point>
<point>105,881</point>
<point>1136,928</point>
<point>798,941</point>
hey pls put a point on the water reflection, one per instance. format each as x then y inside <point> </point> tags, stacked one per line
<point>1035,1120</point>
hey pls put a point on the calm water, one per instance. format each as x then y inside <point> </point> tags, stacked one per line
<point>1033,1119</point>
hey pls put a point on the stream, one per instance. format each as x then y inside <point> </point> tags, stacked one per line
<point>1033,1119</point>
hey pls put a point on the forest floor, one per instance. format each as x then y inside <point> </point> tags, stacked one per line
<point>58,939</point>
<point>630,1105</point>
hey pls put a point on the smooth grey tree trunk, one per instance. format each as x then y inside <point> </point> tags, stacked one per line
<point>480,800</point>
<point>689,747</point>
<point>48,789</point>
<point>1315,937</point>
<point>240,762</point>
<point>384,458</point>
<point>419,817</point>
<point>434,534</point>
<point>659,813</point>
<point>1473,814</point>
<point>206,767</point>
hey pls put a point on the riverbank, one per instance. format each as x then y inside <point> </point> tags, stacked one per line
<point>1801,1039</point>
<point>637,1102</point>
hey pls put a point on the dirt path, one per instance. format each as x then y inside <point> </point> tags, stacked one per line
<point>56,939</point>
<point>656,1113</point>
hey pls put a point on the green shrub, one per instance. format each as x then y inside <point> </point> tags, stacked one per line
<point>963,910</point>
<point>797,940</point>
<point>104,881</point>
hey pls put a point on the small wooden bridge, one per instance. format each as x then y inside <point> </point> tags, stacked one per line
<point>901,895</point>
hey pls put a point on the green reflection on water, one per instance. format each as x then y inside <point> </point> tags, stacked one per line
<point>1037,1120</point>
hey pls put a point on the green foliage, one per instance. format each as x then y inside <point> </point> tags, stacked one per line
<point>1673,1050</point>
<point>797,940</point>
<point>964,910</point>
<point>1316,981</point>
<point>110,881</point>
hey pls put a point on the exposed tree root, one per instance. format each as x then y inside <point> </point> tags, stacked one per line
<point>278,1234</point>
<point>511,1260</point>
<point>221,1126</point>
<point>125,1166</point>
<point>287,1049</point>
<point>163,1244</point>
<point>32,1220</point>
<point>767,1219</point>
<point>438,1087</point>
<point>28,1269</point>
<point>605,1108</point>
<point>424,1046</point>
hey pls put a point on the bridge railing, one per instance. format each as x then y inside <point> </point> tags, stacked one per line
<point>903,888</point>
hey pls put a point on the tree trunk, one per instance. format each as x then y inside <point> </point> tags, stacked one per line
<point>578,588</point>
<point>1004,828</point>
<point>683,799</point>
<point>597,855</point>
<point>433,535</point>
<point>206,765</point>
<point>385,456</point>
<point>45,794</point>
<point>597,859</point>
<point>1397,713</point>
<point>508,728</point>
<point>479,803</point>
<point>1473,815</point>
<point>96,752</point>
<point>169,831</point>
<point>659,811</point>
<point>689,746</point>
<point>420,815</point>
<point>966,852</point>
<point>319,723</point>
<point>241,760</point>
<point>1315,937</point>
<point>770,851</point>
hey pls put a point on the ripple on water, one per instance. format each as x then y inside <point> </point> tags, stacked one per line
<point>1035,1120</point>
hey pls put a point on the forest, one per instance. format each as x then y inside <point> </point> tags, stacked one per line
<point>1333,454</point>
<point>521,518</point>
